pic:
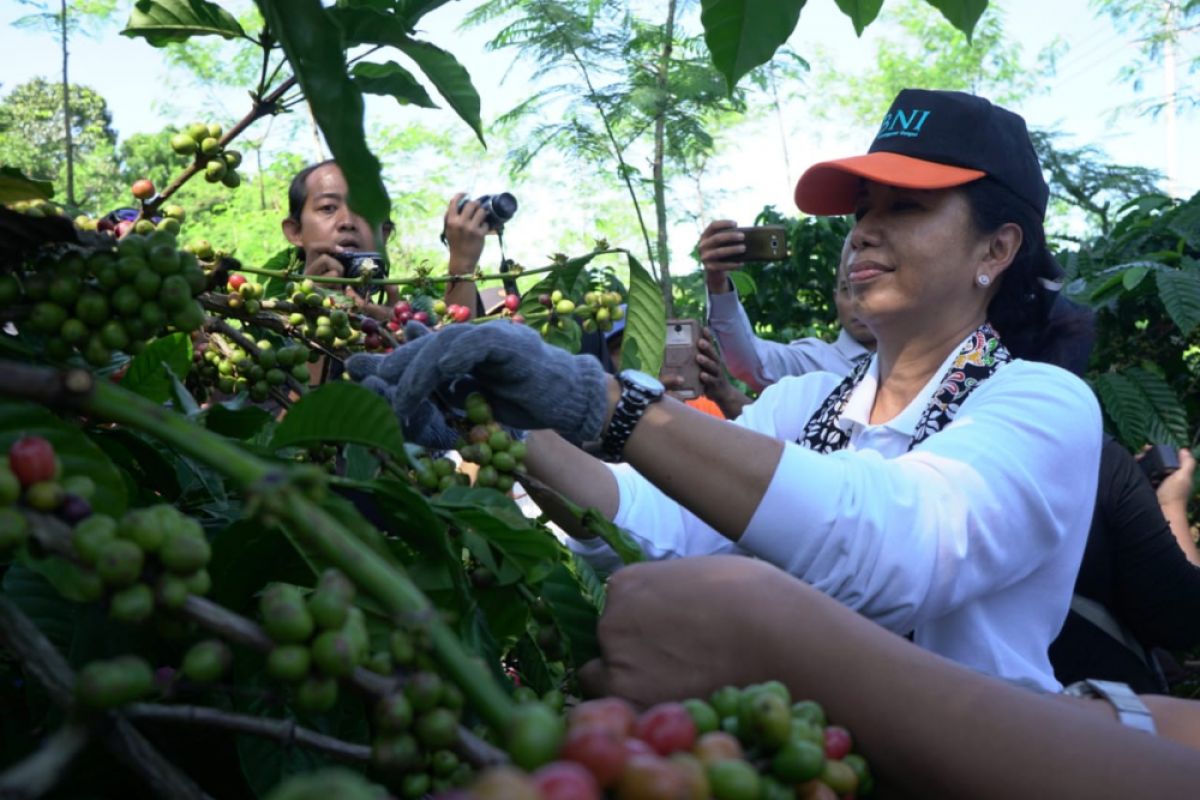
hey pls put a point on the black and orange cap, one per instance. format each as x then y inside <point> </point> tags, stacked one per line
<point>932,140</point>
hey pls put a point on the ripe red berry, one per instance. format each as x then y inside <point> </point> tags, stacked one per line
<point>32,460</point>
<point>609,712</point>
<point>563,780</point>
<point>370,326</point>
<point>512,302</point>
<point>599,749</point>
<point>421,317</point>
<point>667,727</point>
<point>372,341</point>
<point>393,326</point>
<point>837,742</point>
<point>142,189</point>
<point>236,282</point>
<point>517,318</point>
<point>461,313</point>
<point>403,317</point>
<point>403,307</point>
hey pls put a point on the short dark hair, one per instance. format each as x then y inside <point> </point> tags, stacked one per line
<point>1020,309</point>
<point>298,190</point>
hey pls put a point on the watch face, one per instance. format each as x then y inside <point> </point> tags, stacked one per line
<point>640,380</point>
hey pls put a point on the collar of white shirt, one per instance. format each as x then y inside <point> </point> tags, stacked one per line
<point>857,413</point>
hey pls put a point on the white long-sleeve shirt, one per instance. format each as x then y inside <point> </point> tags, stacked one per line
<point>972,540</point>
<point>760,362</point>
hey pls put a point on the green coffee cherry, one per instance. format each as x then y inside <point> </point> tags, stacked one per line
<point>10,487</point>
<point>289,663</point>
<point>14,530</point>
<point>103,685</point>
<point>394,713</point>
<point>133,604</point>
<point>333,653</point>
<point>185,553</point>
<point>119,562</point>
<point>207,661</point>
<point>199,582</point>
<point>144,527</point>
<point>286,618</point>
<point>171,591</point>
<point>317,694</point>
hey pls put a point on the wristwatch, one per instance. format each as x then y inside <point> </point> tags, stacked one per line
<point>638,391</point>
<point>1131,711</point>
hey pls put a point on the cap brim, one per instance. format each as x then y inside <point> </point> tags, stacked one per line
<point>831,187</point>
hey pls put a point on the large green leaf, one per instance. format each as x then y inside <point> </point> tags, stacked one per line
<point>645,322</point>
<point>574,612</point>
<point>76,452</point>
<point>54,615</point>
<point>1143,407</point>
<point>150,371</point>
<point>393,80</point>
<point>962,14</point>
<point>341,412</point>
<point>861,12</point>
<point>160,22</point>
<point>14,186</point>
<point>314,48</point>
<point>367,26</point>
<point>742,34</point>
<point>1179,290</point>
<point>450,79</point>
<point>496,519</point>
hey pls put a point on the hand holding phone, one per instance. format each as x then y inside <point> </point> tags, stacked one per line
<point>1158,462</point>
<point>680,371</point>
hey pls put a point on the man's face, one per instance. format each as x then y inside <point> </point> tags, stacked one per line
<point>327,225</point>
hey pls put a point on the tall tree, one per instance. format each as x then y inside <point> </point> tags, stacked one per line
<point>622,90</point>
<point>64,18</point>
<point>35,129</point>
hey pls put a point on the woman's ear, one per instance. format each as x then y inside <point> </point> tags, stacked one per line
<point>1003,245</point>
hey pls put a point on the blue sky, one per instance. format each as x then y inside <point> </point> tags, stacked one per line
<point>1081,100</point>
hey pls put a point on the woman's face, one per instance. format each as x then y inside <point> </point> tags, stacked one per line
<point>914,259</point>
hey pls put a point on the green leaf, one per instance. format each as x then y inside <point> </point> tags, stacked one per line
<point>236,423</point>
<point>1143,407</point>
<point>861,12</point>
<point>365,26</point>
<point>962,14</point>
<point>314,48</point>
<point>494,517</point>
<point>573,611</point>
<point>450,79</point>
<point>624,545</point>
<point>341,412</point>
<point>645,322</point>
<point>394,80</point>
<point>744,283</point>
<point>76,452</point>
<point>1179,290</point>
<point>161,22</point>
<point>150,371</point>
<point>742,34</point>
<point>14,186</point>
<point>54,615</point>
<point>1132,277</point>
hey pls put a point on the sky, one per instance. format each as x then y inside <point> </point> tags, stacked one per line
<point>1083,99</point>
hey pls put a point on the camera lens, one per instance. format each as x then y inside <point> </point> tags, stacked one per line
<point>504,206</point>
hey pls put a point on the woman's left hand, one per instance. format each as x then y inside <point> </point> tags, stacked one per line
<point>528,383</point>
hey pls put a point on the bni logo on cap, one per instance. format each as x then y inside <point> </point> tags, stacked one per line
<point>902,123</point>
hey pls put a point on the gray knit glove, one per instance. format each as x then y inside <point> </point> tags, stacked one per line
<point>528,383</point>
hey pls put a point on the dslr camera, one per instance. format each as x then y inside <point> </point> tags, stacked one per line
<point>499,208</point>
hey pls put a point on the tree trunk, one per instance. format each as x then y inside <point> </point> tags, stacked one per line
<point>660,189</point>
<point>66,92</point>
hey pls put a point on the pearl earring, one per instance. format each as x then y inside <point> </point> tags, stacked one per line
<point>983,280</point>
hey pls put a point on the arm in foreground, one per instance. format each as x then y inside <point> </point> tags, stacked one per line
<point>931,727</point>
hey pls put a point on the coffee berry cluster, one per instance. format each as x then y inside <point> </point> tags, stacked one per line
<point>740,744</point>
<point>94,303</point>
<point>598,311</point>
<point>31,478</point>
<point>224,365</point>
<point>203,142</point>
<point>501,458</point>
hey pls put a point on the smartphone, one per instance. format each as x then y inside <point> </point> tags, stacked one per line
<point>1158,462</point>
<point>679,358</point>
<point>765,243</point>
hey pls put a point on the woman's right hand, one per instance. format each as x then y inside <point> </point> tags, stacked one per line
<point>721,245</point>
<point>1176,488</point>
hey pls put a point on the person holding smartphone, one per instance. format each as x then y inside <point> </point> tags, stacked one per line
<point>936,489</point>
<point>759,362</point>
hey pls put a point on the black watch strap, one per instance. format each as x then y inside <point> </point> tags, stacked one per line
<point>634,401</point>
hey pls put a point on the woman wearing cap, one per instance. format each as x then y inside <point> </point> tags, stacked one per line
<point>935,490</point>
